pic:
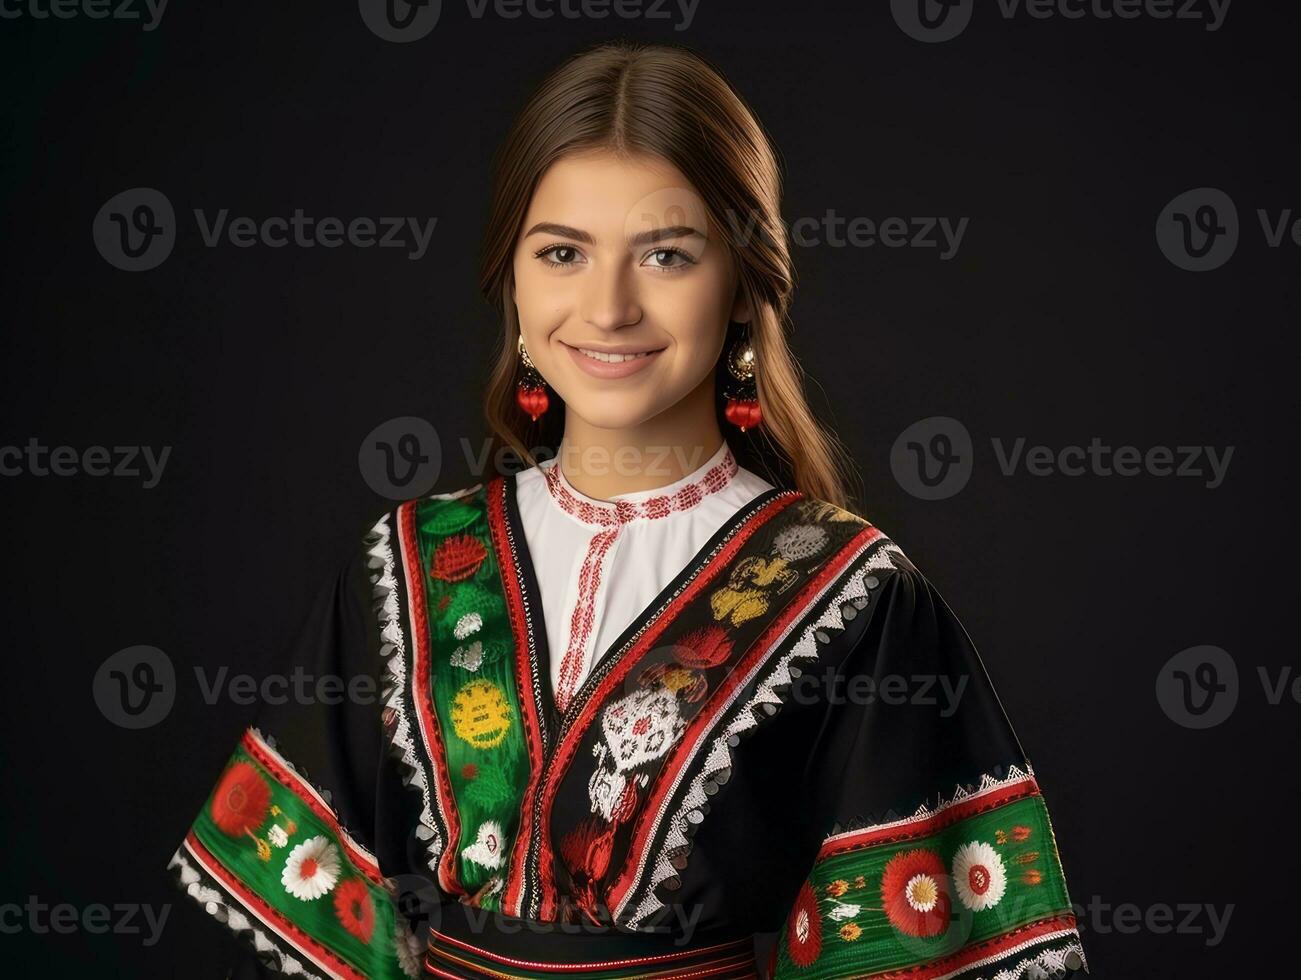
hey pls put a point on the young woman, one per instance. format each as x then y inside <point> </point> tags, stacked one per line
<point>636,702</point>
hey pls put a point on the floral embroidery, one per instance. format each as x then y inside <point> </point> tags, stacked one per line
<point>458,558</point>
<point>804,929</point>
<point>312,869</point>
<point>913,891</point>
<point>979,877</point>
<point>942,890</point>
<point>481,714</point>
<point>487,847</point>
<point>355,908</point>
<point>241,800</point>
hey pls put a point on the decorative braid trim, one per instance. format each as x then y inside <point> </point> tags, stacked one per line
<point>381,566</point>
<point>1051,961</point>
<point>988,786</point>
<point>764,703</point>
<point>217,904</point>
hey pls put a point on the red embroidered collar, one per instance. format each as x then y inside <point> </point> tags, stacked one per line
<point>678,496</point>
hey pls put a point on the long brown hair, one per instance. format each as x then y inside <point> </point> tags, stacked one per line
<point>666,101</point>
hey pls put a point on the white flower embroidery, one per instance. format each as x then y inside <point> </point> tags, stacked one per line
<point>486,849</point>
<point>844,911</point>
<point>312,869</point>
<point>979,876</point>
<point>410,950</point>
<point>467,625</point>
<point>277,836</point>
<point>922,892</point>
<point>470,656</point>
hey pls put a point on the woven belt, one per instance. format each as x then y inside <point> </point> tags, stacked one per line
<point>469,943</point>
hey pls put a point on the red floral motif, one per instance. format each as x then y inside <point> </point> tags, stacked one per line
<point>804,928</point>
<point>915,891</point>
<point>241,800</point>
<point>687,684</point>
<point>586,852</point>
<point>707,646</point>
<point>458,558</point>
<point>355,909</point>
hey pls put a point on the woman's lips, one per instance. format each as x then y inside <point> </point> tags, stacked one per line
<point>612,369</point>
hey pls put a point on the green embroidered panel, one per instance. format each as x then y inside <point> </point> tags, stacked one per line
<point>276,845</point>
<point>473,688</point>
<point>896,904</point>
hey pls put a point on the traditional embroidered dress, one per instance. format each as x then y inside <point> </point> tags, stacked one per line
<point>618,738</point>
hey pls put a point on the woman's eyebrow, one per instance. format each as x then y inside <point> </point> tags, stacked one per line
<point>641,238</point>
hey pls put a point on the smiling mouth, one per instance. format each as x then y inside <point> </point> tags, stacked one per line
<point>602,356</point>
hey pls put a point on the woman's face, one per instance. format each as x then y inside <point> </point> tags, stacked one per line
<point>623,289</point>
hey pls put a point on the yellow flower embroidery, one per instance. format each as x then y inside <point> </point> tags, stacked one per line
<point>748,589</point>
<point>849,932</point>
<point>481,714</point>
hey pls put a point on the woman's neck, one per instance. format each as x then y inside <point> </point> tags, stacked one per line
<point>602,463</point>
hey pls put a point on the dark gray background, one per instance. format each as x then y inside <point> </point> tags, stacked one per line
<point>1060,320</point>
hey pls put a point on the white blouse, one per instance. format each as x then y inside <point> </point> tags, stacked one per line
<point>599,563</point>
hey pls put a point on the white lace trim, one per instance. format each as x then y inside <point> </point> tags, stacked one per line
<point>988,784</point>
<point>382,565</point>
<point>217,904</point>
<point>765,700</point>
<point>1048,962</point>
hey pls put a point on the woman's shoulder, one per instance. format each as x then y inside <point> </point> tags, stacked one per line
<point>875,550</point>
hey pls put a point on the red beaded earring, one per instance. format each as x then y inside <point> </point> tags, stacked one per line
<point>531,390</point>
<point>741,391</point>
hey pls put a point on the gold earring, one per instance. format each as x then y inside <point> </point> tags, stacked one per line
<point>531,390</point>
<point>742,392</point>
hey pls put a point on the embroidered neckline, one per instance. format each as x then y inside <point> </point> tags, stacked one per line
<point>713,475</point>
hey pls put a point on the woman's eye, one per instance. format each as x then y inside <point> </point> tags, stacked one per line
<point>669,258</point>
<point>557,255</point>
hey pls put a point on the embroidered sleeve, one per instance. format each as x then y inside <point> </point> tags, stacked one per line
<point>282,850</point>
<point>936,857</point>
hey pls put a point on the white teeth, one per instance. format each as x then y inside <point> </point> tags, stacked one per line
<point>611,358</point>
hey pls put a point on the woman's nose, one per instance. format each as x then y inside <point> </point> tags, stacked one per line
<point>610,299</point>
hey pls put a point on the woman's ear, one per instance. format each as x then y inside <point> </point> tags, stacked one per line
<point>741,312</point>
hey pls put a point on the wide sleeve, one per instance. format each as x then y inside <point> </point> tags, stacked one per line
<point>936,856</point>
<point>282,852</point>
